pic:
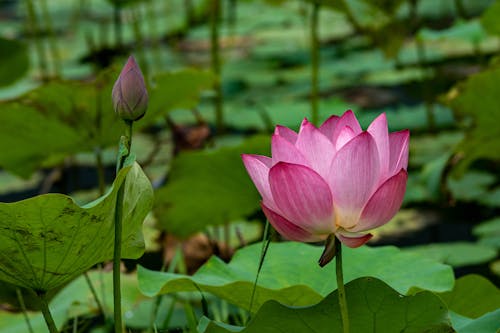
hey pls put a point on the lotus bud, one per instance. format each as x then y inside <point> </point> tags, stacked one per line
<point>130,97</point>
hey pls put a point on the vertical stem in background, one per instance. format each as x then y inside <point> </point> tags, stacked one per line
<point>98,150</point>
<point>189,13</point>
<point>227,235</point>
<point>232,16</point>
<point>265,245</point>
<point>100,171</point>
<point>75,325</point>
<point>94,294</point>
<point>78,13</point>
<point>102,185</point>
<point>103,34</point>
<point>426,88</point>
<point>20,299</point>
<point>35,34</point>
<point>151,21</point>
<point>118,233</point>
<point>340,286</point>
<point>51,38</point>
<point>215,57</point>
<point>351,17</point>
<point>171,268</point>
<point>137,19</point>
<point>314,62</point>
<point>117,21</point>
<point>460,9</point>
<point>51,325</point>
<point>152,15</point>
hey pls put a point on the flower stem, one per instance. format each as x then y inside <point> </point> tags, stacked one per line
<point>314,62</point>
<point>51,325</point>
<point>340,286</point>
<point>118,235</point>
<point>23,308</point>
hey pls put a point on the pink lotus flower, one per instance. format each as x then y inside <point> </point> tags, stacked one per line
<point>130,97</point>
<point>335,179</point>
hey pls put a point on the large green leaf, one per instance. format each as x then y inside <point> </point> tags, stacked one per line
<point>489,232</point>
<point>292,276</point>
<point>67,117</point>
<point>476,100</point>
<point>35,137</point>
<point>176,90</point>
<point>472,296</point>
<point>14,59</point>
<point>489,19</point>
<point>456,254</point>
<point>470,31</point>
<point>48,240</point>
<point>208,188</point>
<point>428,148</point>
<point>487,323</point>
<point>472,186</point>
<point>55,120</point>
<point>373,307</point>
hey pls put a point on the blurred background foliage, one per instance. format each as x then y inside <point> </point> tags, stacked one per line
<point>221,74</point>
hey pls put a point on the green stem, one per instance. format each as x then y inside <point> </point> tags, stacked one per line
<point>462,12</point>
<point>170,312</point>
<point>20,299</point>
<point>35,33</point>
<point>189,13</point>
<point>98,149</point>
<point>340,286</point>
<point>117,261</point>
<point>100,171</point>
<point>129,132</point>
<point>232,16</point>
<point>429,105</point>
<point>117,21</point>
<point>156,305</point>
<point>51,38</point>
<point>314,62</point>
<point>101,282</point>
<point>118,237</point>
<point>94,293</point>
<point>137,22</point>
<point>51,325</point>
<point>265,245</point>
<point>75,324</point>
<point>216,67</point>
<point>351,17</point>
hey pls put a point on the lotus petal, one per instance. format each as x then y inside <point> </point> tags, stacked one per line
<point>287,229</point>
<point>353,176</point>
<point>303,197</point>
